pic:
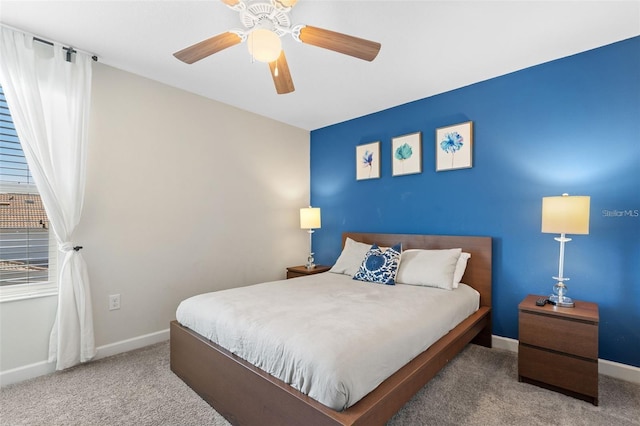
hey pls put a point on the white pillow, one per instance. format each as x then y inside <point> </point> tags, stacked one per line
<point>461,266</point>
<point>429,268</point>
<point>351,258</point>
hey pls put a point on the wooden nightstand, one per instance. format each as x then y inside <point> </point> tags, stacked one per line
<point>301,271</point>
<point>558,347</point>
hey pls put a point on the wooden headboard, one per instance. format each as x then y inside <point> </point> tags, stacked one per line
<point>478,272</point>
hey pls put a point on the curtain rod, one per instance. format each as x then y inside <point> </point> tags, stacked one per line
<point>70,50</point>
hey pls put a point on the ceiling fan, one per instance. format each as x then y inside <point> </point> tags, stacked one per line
<point>265,21</point>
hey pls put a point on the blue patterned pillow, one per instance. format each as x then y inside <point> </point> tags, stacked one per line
<point>378,266</point>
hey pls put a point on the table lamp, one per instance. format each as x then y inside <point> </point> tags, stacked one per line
<point>564,215</point>
<point>310,220</point>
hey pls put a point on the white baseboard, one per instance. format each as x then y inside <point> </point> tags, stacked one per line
<point>26,372</point>
<point>131,344</point>
<point>31,371</point>
<point>616,370</point>
<point>619,371</point>
<point>505,343</point>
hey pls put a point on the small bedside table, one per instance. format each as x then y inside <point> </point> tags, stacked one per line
<point>558,347</point>
<point>301,271</point>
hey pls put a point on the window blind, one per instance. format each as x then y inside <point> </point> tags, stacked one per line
<point>24,226</point>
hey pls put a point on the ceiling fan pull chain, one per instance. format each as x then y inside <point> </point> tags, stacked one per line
<point>253,58</point>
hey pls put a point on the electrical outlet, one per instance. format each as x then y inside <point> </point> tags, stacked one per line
<point>114,302</point>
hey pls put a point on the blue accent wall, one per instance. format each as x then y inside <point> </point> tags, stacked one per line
<point>571,125</point>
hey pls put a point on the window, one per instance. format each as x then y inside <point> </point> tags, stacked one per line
<point>27,247</point>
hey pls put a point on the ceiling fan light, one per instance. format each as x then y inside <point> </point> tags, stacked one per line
<point>264,45</point>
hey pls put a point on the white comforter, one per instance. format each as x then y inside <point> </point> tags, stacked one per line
<point>332,338</point>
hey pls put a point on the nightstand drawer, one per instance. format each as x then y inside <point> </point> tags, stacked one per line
<point>292,274</point>
<point>566,372</point>
<point>551,332</point>
<point>302,271</point>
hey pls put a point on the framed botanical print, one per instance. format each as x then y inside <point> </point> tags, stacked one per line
<point>454,147</point>
<point>406,154</point>
<point>368,161</point>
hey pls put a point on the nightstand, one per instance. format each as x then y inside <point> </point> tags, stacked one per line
<point>558,347</point>
<point>301,271</point>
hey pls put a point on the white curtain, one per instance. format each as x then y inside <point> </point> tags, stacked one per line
<point>49,101</point>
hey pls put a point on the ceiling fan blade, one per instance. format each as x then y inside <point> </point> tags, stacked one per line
<point>208,47</point>
<point>341,43</point>
<point>285,3</point>
<point>283,81</point>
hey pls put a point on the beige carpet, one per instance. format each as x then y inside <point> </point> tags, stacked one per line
<point>479,387</point>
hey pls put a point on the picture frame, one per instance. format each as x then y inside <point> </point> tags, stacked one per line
<point>368,161</point>
<point>454,147</point>
<point>406,154</point>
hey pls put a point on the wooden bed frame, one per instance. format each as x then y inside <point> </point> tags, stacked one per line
<point>246,395</point>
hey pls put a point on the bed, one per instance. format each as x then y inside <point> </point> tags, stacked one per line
<point>246,395</point>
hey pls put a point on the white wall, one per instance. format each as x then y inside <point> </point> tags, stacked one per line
<point>184,195</point>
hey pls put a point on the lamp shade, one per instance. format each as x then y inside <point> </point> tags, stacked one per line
<point>310,218</point>
<point>565,214</point>
<point>264,45</point>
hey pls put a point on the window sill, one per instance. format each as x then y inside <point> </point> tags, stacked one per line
<point>12,293</point>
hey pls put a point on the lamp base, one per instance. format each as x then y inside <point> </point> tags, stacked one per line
<point>310,264</point>
<point>565,302</point>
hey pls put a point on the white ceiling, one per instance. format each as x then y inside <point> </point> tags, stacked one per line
<point>428,46</point>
